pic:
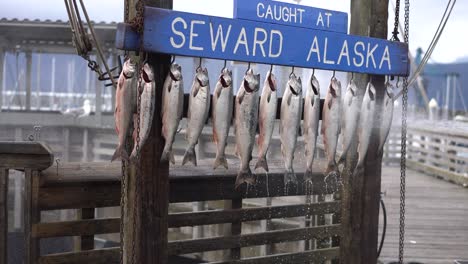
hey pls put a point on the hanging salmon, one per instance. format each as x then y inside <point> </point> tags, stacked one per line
<point>351,109</point>
<point>387,115</point>
<point>331,125</point>
<point>199,104</point>
<point>267,117</point>
<point>172,107</point>
<point>311,124</point>
<point>125,106</point>
<point>366,122</point>
<point>222,115</point>
<point>246,107</point>
<point>147,101</point>
<point>291,111</point>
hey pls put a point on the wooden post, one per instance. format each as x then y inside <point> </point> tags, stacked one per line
<point>152,185</point>
<point>2,76</point>
<point>3,215</point>
<point>361,192</point>
<point>28,80</point>
<point>32,214</point>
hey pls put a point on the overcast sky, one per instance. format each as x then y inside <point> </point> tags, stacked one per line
<point>425,17</point>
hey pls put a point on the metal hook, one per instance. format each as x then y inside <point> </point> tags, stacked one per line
<point>313,72</point>
<point>173,59</point>
<point>352,77</point>
<point>224,67</point>
<point>57,161</point>
<point>370,78</point>
<point>333,76</point>
<point>271,68</point>
<point>292,72</point>
<point>199,64</point>
<point>398,82</point>
<point>248,68</point>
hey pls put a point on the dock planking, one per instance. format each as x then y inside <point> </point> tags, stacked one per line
<point>436,218</point>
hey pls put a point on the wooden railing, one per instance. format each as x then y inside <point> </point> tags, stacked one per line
<point>86,186</point>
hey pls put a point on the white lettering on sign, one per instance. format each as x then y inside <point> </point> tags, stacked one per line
<point>359,54</point>
<point>280,46</point>
<point>193,34</point>
<point>386,57</point>
<point>178,33</point>
<point>258,42</point>
<point>320,20</point>
<point>264,42</point>
<point>278,12</point>
<point>242,40</point>
<point>344,53</point>
<point>219,35</point>
<point>328,18</point>
<point>314,48</point>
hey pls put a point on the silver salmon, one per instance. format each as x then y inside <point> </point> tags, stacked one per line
<point>311,123</point>
<point>351,109</point>
<point>331,125</point>
<point>246,107</point>
<point>172,107</point>
<point>125,106</point>
<point>199,105</point>
<point>291,111</point>
<point>366,122</point>
<point>267,117</point>
<point>147,102</point>
<point>387,115</point>
<point>222,115</point>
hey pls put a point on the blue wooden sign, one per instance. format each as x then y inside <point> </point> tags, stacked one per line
<point>186,34</point>
<point>291,15</point>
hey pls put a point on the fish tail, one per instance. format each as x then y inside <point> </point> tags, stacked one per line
<point>262,163</point>
<point>190,156</point>
<point>120,153</point>
<point>168,155</point>
<point>331,168</point>
<point>245,176</point>
<point>220,160</point>
<point>290,177</point>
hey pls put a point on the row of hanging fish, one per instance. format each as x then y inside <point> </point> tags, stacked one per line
<point>347,116</point>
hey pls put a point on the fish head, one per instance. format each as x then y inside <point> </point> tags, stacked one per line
<point>251,81</point>
<point>295,84</point>
<point>314,85</point>
<point>176,72</point>
<point>226,78</point>
<point>129,68</point>
<point>335,88</point>
<point>147,73</point>
<point>389,90</point>
<point>371,91</point>
<point>202,76</point>
<point>271,81</point>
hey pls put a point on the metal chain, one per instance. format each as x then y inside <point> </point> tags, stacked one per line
<point>401,245</point>
<point>397,21</point>
<point>123,195</point>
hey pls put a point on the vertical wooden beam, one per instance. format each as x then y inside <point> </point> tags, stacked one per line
<point>3,215</point>
<point>361,191</point>
<point>28,79</point>
<point>152,186</point>
<point>2,76</point>
<point>87,242</point>
<point>236,229</point>
<point>32,215</point>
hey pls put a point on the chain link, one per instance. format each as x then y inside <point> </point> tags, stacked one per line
<point>123,196</point>
<point>404,117</point>
<point>397,21</point>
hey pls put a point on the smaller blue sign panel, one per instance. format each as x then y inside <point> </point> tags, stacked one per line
<point>291,15</point>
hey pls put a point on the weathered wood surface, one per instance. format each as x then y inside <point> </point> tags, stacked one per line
<point>3,214</point>
<point>100,256</point>
<point>88,227</point>
<point>306,257</point>
<point>32,215</point>
<point>245,240</point>
<point>21,155</point>
<point>436,218</point>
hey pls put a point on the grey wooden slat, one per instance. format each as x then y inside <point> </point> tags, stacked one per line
<point>237,241</point>
<point>77,228</point>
